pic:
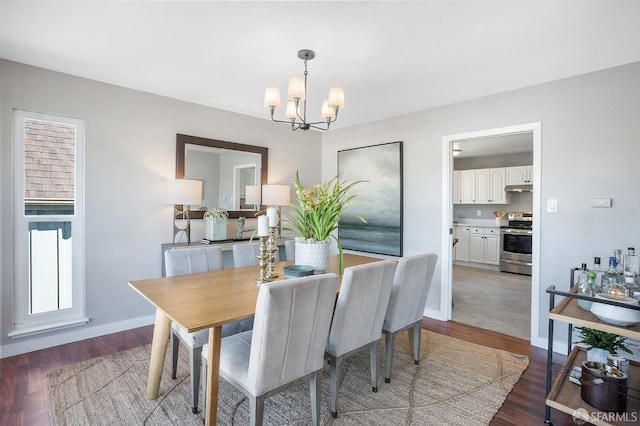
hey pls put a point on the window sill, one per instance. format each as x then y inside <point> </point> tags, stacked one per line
<point>50,326</point>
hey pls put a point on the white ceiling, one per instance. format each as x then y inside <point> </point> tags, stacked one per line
<point>517,143</point>
<point>391,57</point>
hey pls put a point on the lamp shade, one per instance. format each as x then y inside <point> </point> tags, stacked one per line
<point>272,97</point>
<point>327,112</point>
<point>183,191</point>
<point>276,195</point>
<point>336,97</point>
<point>252,194</point>
<point>291,113</point>
<point>296,88</point>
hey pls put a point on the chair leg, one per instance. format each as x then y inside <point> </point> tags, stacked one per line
<point>195,355</point>
<point>373,359</point>
<point>175,343</point>
<point>417,335</point>
<point>335,366</point>
<point>314,391</point>
<point>256,409</point>
<point>389,344</point>
<point>204,389</point>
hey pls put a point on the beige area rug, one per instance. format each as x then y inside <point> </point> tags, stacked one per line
<point>456,383</point>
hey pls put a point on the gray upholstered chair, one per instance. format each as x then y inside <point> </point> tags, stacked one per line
<point>247,254</point>
<point>357,320</point>
<point>190,261</point>
<point>406,306</point>
<point>286,345</point>
<point>290,249</point>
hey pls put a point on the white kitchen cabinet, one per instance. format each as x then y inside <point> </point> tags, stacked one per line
<point>519,175</point>
<point>480,186</point>
<point>492,246</point>
<point>461,249</point>
<point>490,185</point>
<point>484,245</point>
<point>468,186</point>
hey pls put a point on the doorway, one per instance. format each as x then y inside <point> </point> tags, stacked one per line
<point>474,140</point>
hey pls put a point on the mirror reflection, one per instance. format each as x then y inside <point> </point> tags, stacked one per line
<point>225,174</point>
<point>225,169</point>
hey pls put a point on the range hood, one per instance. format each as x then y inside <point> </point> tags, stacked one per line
<point>525,187</point>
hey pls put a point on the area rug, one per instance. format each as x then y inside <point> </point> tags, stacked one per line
<point>456,383</point>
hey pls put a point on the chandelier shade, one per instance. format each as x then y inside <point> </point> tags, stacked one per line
<point>272,97</point>
<point>296,107</point>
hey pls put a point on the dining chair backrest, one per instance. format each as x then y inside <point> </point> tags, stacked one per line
<point>290,330</point>
<point>290,249</point>
<point>192,260</point>
<point>247,254</point>
<point>361,306</point>
<point>411,285</point>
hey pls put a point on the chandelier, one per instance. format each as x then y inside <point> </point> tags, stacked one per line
<point>296,111</point>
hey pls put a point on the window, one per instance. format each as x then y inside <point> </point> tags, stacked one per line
<point>48,222</point>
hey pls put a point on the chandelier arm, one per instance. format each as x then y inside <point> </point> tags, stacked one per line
<point>281,121</point>
<point>321,122</point>
<point>319,128</point>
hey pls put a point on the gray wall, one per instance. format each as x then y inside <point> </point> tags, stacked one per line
<point>130,151</point>
<point>520,202</point>
<point>590,148</point>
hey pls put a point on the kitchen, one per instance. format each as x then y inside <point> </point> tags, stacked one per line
<point>492,231</point>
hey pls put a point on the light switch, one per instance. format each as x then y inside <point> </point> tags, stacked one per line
<point>601,202</point>
<point>552,205</point>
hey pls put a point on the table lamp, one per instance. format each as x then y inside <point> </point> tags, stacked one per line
<point>274,196</point>
<point>183,193</point>
<point>252,195</point>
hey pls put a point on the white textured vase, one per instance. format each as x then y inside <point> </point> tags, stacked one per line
<point>315,255</point>
<point>598,355</point>
<point>215,229</point>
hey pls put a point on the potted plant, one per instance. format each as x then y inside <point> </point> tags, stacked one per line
<point>215,221</point>
<point>315,218</point>
<point>601,344</point>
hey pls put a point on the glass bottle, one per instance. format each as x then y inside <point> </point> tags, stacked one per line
<point>617,253</point>
<point>631,273</point>
<point>588,288</point>
<point>612,282</point>
<point>596,263</point>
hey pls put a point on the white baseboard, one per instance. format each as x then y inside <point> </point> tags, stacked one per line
<point>72,335</point>
<point>435,314</point>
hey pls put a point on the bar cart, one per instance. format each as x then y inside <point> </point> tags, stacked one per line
<point>564,395</point>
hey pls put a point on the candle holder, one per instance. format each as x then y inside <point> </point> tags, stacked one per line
<point>263,257</point>
<point>272,247</point>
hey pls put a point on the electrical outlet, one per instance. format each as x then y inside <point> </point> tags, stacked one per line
<point>479,212</point>
<point>552,205</point>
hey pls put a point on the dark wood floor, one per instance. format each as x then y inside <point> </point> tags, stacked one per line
<point>23,378</point>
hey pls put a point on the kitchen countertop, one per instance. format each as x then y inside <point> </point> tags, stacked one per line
<point>487,223</point>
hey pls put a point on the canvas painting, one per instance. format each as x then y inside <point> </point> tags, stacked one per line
<point>379,199</point>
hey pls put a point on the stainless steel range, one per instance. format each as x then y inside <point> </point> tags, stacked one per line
<point>515,244</point>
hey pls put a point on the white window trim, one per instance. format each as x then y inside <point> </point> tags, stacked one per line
<point>23,323</point>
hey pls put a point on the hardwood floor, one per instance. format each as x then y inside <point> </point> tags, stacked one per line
<point>23,378</point>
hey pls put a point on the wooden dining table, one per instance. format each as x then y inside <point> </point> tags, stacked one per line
<point>207,300</point>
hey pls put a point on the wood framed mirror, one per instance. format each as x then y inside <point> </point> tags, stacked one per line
<point>225,168</point>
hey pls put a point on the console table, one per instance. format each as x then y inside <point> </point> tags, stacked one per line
<point>226,246</point>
